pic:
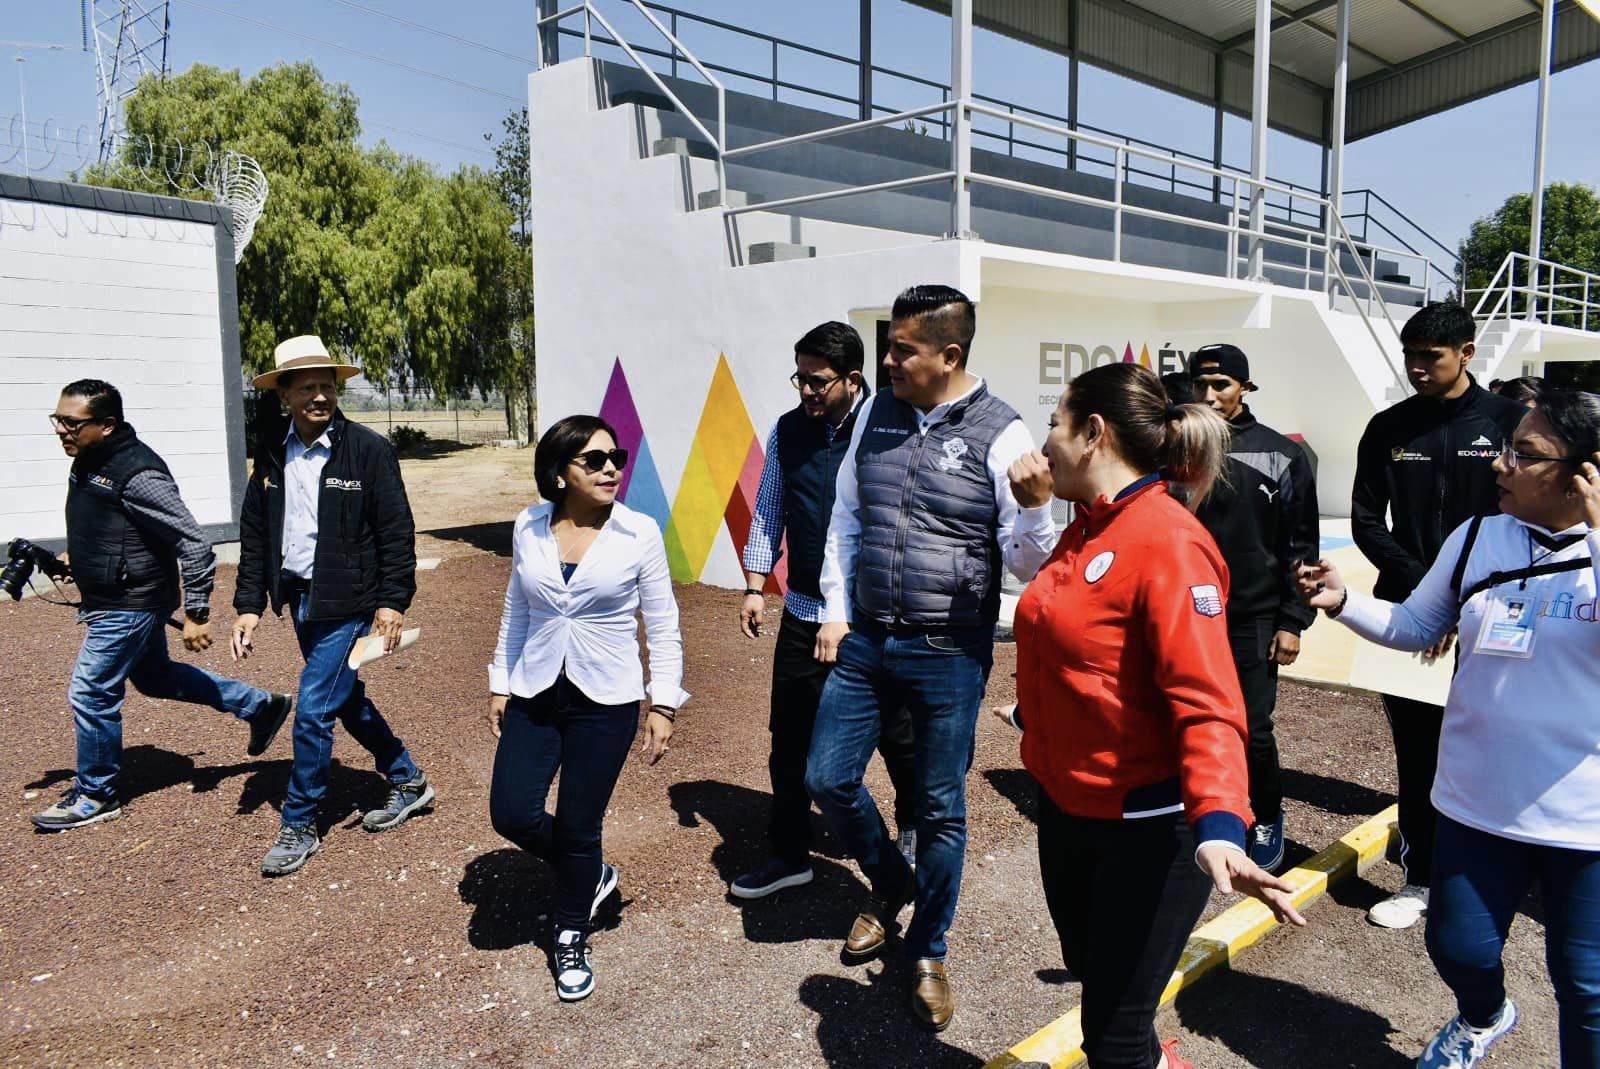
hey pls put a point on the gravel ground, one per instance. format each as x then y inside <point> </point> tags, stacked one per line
<point>151,940</point>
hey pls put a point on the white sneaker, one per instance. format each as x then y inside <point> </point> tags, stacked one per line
<point>1402,909</point>
<point>1461,1046</point>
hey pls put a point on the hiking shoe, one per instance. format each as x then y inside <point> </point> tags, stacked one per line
<point>1174,1060</point>
<point>1458,1045</point>
<point>75,810</point>
<point>265,724</point>
<point>1402,909</point>
<point>570,963</point>
<point>602,890</point>
<point>773,876</point>
<point>404,800</point>
<point>1266,844</point>
<point>907,845</point>
<point>292,849</point>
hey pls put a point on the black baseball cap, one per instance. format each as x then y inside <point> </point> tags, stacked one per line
<point>1221,359</point>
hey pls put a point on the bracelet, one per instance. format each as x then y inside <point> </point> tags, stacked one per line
<point>752,590</point>
<point>1339,608</point>
<point>661,710</point>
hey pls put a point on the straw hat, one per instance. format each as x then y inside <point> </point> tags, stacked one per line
<point>299,353</point>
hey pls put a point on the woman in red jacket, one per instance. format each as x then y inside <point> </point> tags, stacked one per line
<point>1134,721</point>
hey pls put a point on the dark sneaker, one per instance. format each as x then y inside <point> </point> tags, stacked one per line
<point>570,963</point>
<point>1266,844</point>
<point>293,848</point>
<point>771,877</point>
<point>265,724</point>
<point>75,810</point>
<point>404,800</point>
<point>907,845</point>
<point>602,890</point>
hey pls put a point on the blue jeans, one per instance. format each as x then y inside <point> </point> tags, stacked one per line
<point>330,690</point>
<point>131,647</point>
<point>561,729</point>
<point>940,677</point>
<point>1478,881</point>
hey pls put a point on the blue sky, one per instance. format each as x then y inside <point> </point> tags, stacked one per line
<point>1443,171</point>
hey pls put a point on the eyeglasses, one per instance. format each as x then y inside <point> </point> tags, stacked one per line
<point>815,383</point>
<point>595,460</point>
<point>70,425</point>
<point>1512,457</point>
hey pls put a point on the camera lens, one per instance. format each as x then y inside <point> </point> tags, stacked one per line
<point>15,577</point>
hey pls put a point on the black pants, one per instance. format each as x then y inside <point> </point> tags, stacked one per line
<point>797,680</point>
<point>1124,896</point>
<point>561,728</point>
<point>1258,679</point>
<point>1415,726</point>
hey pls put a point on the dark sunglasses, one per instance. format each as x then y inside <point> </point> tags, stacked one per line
<point>595,459</point>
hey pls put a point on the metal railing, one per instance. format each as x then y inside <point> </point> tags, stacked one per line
<point>1553,294</point>
<point>1377,213</point>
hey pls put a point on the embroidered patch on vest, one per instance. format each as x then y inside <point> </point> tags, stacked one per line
<point>1099,566</point>
<point>1207,600</point>
<point>342,484</point>
<point>954,450</point>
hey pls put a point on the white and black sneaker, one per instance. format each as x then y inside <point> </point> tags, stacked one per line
<point>570,963</point>
<point>603,890</point>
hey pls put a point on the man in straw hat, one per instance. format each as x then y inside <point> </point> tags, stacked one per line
<point>326,531</point>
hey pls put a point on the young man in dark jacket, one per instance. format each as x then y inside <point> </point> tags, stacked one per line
<point>326,531</point>
<point>130,538</point>
<point>1425,462</point>
<point>1264,518</point>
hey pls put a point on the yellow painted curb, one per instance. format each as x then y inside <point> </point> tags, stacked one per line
<point>1218,941</point>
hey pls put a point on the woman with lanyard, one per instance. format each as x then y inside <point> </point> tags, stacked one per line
<point>1518,786</point>
<point>1133,721</point>
<point>566,680</point>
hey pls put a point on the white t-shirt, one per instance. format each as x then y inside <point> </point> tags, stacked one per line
<point>1519,755</point>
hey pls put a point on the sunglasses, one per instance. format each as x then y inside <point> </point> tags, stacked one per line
<point>595,460</point>
<point>70,425</point>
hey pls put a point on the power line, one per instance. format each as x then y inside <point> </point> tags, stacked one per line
<point>427,137</point>
<point>354,51</point>
<point>529,60</point>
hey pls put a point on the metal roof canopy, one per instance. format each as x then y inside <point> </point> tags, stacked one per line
<point>1408,58</point>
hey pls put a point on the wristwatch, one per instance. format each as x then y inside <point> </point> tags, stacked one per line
<point>199,616</point>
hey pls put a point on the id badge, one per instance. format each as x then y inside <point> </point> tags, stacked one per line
<point>1509,625</point>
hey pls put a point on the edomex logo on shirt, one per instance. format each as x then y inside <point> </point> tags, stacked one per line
<point>342,484</point>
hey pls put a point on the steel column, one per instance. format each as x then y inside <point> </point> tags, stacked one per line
<point>864,90</point>
<point>961,119</point>
<point>1536,222</point>
<point>1258,139</point>
<point>547,39</point>
<point>1336,125</point>
<point>1073,15</point>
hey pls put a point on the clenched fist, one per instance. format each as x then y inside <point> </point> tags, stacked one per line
<point>1031,482</point>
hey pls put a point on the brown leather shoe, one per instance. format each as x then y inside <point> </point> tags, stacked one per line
<point>873,924</point>
<point>932,999</point>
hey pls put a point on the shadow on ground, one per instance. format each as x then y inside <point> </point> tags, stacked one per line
<point>860,1023</point>
<point>1334,795</point>
<point>514,897</point>
<point>490,537</point>
<point>1016,786</point>
<point>432,448</point>
<point>822,909</point>
<point>1287,1024</point>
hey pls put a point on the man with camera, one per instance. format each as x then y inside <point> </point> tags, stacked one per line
<point>129,540</point>
<point>326,531</point>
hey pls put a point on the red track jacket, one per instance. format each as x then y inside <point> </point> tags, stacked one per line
<point>1125,682</point>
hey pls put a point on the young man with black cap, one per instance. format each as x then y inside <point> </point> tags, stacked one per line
<point>1264,518</point>
<point>1425,464</point>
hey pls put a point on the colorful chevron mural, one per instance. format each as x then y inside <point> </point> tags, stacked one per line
<point>720,476</point>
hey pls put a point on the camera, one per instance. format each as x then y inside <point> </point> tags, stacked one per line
<point>23,557</point>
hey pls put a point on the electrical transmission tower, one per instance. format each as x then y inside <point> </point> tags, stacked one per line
<point>129,40</point>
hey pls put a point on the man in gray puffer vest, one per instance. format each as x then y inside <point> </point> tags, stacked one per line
<point>941,483</point>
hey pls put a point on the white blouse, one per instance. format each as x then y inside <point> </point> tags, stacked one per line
<point>1519,755</point>
<point>587,624</point>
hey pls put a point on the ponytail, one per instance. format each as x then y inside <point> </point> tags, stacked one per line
<point>1189,442</point>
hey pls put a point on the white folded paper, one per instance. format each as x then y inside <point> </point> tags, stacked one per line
<point>370,648</point>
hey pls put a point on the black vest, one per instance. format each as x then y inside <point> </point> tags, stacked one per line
<point>928,555</point>
<point>810,466</point>
<point>115,566</point>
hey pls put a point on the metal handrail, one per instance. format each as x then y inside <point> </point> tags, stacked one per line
<point>1583,307</point>
<point>1372,291</point>
<point>848,191</point>
<point>836,131</point>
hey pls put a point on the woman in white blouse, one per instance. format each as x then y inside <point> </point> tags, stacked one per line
<point>566,681</point>
<point>1518,786</point>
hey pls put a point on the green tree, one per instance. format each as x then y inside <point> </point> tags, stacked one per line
<point>512,181</point>
<point>1570,235</point>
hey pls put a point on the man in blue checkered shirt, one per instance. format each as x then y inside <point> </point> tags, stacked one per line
<point>795,498</point>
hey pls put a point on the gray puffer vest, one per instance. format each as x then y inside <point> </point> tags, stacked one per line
<point>928,555</point>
